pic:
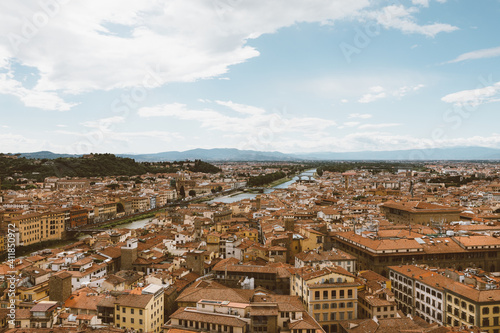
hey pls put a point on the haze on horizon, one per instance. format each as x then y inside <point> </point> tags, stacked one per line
<point>285,75</point>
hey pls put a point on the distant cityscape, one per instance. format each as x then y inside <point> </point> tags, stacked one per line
<point>249,246</point>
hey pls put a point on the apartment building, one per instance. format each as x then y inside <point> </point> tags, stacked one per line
<point>415,212</point>
<point>375,298</point>
<point>85,271</point>
<point>212,316</point>
<point>104,211</point>
<point>322,259</point>
<point>469,306</point>
<point>38,227</point>
<point>230,272</point>
<point>419,292</point>
<point>377,250</point>
<point>329,294</point>
<point>210,307</point>
<point>142,313</point>
<point>139,204</point>
<point>437,298</point>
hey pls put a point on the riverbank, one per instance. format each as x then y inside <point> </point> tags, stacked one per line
<point>279,182</point>
<point>129,220</point>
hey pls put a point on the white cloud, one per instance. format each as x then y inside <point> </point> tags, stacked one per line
<point>180,111</point>
<point>104,122</point>
<point>377,89</point>
<point>245,109</point>
<point>35,98</point>
<point>478,54</point>
<point>371,126</point>
<point>403,91</point>
<point>344,100</point>
<point>424,3</point>
<point>378,92</point>
<point>127,43</point>
<point>474,97</point>
<point>402,18</point>
<point>349,124</point>
<point>360,115</point>
<point>368,98</point>
<point>252,120</point>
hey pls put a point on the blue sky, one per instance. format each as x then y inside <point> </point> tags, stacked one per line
<point>293,76</point>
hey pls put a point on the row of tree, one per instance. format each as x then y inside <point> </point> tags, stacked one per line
<point>265,179</point>
<point>373,166</point>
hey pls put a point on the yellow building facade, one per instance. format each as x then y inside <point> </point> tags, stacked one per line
<point>39,227</point>
<point>330,295</point>
<point>142,313</point>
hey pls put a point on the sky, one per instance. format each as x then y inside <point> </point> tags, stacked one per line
<point>294,76</point>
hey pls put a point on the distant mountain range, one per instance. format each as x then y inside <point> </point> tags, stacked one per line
<point>231,154</point>
<point>216,154</point>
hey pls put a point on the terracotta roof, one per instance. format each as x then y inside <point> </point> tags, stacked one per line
<point>372,276</point>
<point>309,273</point>
<point>374,300</point>
<point>256,310</point>
<point>178,330</point>
<point>479,296</point>
<point>134,301</point>
<point>23,314</point>
<point>213,291</point>
<point>43,306</point>
<point>114,280</point>
<point>62,275</point>
<point>83,300</point>
<point>420,207</point>
<point>212,318</point>
<point>333,255</point>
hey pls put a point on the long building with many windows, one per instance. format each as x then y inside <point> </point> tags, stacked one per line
<point>38,227</point>
<point>431,295</point>
<point>377,250</point>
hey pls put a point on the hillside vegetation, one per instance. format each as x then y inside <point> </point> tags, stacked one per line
<point>13,171</point>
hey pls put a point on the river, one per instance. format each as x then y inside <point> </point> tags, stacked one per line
<point>226,199</point>
<point>241,196</point>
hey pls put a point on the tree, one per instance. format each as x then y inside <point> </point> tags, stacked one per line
<point>192,193</point>
<point>182,191</point>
